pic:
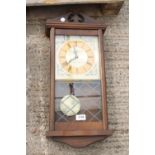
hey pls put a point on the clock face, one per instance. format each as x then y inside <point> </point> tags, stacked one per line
<point>77,57</point>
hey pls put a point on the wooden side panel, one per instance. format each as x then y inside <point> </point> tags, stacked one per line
<point>52,81</point>
<point>104,96</point>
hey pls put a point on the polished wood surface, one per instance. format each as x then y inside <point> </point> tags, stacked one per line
<point>74,126</point>
<point>72,27</point>
<point>77,32</point>
<point>79,133</point>
<point>79,141</point>
<point>52,81</point>
<point>103,81</point>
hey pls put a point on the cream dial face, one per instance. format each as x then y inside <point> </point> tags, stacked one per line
<point>77,58</point>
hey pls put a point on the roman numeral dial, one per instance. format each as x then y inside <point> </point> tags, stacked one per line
<point>76,57</point>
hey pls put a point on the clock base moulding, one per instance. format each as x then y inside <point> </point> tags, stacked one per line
<point>80,140</point>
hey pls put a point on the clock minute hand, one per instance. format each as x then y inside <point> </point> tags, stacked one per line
<point>75,52</point>
<point>76,56</point>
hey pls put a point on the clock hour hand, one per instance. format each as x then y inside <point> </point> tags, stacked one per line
<point>75,57</point>
<point>71,60</point>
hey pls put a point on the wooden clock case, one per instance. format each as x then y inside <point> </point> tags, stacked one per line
<point>79,134</point>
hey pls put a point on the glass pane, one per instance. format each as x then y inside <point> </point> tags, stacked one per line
<point>77,75</point>
<point>89,94</point>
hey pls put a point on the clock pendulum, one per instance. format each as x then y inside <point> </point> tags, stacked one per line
<point>70,104</point>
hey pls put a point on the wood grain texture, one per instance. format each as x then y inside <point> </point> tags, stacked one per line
<point>52,81</point>
<point>79,142</point>
<point>78,133</point>
<point>103,82</point>
<point>77,32</point>
<point>68,126</point>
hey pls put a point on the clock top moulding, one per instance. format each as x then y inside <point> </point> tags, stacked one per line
<point>74,20</point>
<point>75,23</point>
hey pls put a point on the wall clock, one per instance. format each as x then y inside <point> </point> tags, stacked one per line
<point>78,108</point>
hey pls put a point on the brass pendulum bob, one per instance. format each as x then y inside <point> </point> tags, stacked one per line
<point>70,104</point>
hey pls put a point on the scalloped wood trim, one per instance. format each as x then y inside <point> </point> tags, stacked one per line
<point>79,142</point>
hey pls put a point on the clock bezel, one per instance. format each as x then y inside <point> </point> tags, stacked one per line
<point>58,130</point>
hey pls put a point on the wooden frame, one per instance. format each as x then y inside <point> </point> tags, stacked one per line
<point>79,131</point>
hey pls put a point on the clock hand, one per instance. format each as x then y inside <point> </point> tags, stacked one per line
<point>71,60</point>
<point>75,52</point>
<point>75,57</point>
